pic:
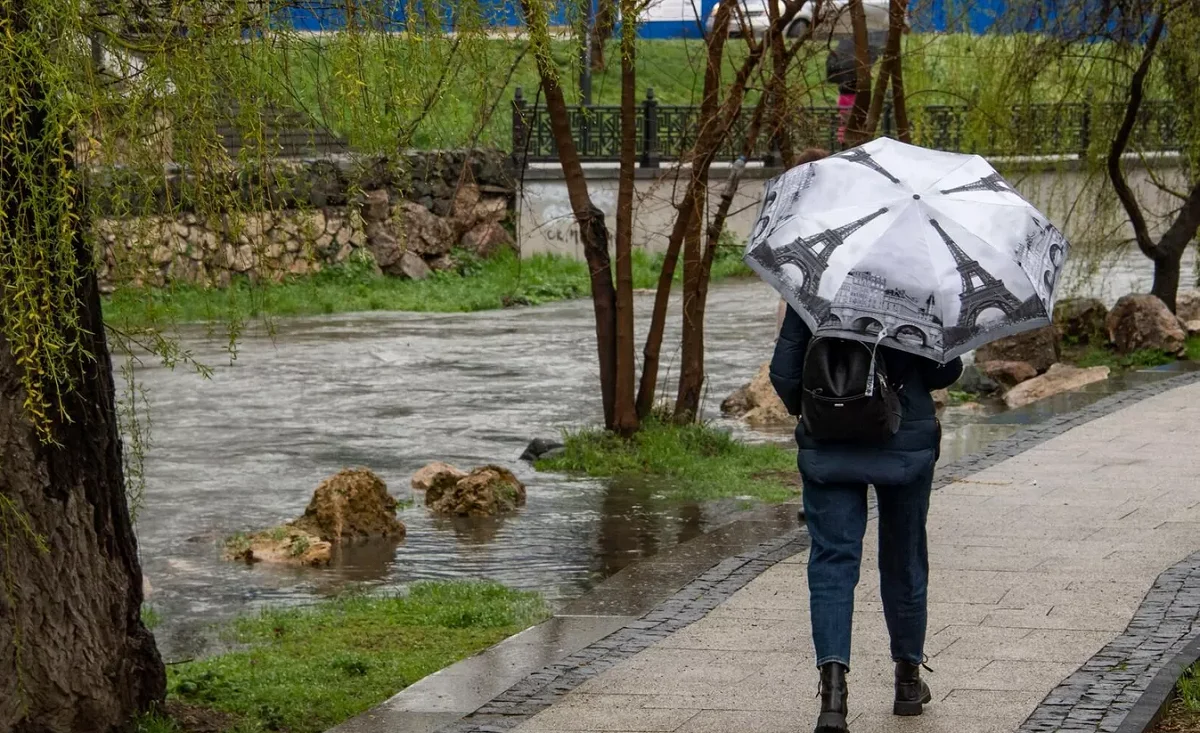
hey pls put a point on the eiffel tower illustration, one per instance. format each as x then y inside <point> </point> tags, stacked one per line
<point>980,290</point>
<point>811,254</point>
<point>862,157</point>
<point>994,182</point>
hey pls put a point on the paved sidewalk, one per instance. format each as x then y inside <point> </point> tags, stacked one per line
<point>1038,563</point>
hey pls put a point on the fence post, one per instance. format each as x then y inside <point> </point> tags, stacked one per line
<point>650,130</point>
<point>1085,127</point>
<point>889,119</point>
<point>520,126</point>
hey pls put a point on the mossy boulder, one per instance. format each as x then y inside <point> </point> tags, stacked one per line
<point>437,476</point>
<point>486,491</point>
<point>286,545</point>
<point>1081,320</point>
<point>351,504</point>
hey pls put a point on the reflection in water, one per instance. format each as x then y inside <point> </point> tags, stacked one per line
<point>393,391</point>
<point>471,530</point>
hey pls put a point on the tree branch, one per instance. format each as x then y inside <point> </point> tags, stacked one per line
<point>1121,142</point>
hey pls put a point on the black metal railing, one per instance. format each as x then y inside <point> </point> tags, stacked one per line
<point>667,132</point>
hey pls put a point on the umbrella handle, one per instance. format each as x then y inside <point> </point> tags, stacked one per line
<point>870,390</point>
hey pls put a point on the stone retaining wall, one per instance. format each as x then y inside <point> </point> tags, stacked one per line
<point>407,221</point>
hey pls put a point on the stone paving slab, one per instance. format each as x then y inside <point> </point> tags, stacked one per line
<point>1064,574</point>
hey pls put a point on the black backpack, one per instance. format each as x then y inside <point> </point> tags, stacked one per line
<point>847,396</point>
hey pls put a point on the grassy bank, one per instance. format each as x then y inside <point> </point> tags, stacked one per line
<point>305,670</point>
<point>499,282</point>
<point>470,73</point>
<point>1091,355</point>
<point>689,462</point>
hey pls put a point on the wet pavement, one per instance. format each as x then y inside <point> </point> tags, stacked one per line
<point>393,391</point>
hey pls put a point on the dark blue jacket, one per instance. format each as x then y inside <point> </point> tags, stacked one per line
<point>907,455</point>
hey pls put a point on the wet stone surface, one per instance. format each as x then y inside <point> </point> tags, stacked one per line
<point>1098,696</point>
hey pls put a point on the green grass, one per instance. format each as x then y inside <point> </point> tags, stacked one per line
<point>372,89</point>
<point>1183,716</point>
<point>305,670</point>
<point>691,462</point>
<point>502,281</point>
<point>1094,355</point>
<point>150,616</point>
<point>958,397</point>
<point>1189,688</point>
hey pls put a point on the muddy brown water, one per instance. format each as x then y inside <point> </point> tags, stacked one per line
<point>393,391</point>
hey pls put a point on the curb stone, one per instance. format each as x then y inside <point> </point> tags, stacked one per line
<point>1075,704</point>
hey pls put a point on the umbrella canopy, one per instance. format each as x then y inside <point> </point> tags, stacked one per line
<point>924,251</point>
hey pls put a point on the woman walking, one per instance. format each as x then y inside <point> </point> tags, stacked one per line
<point>835,477</point>
<point>894,261</point>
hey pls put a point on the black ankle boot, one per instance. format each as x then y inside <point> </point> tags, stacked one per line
<point>833,699</point>
<point>911,691</point>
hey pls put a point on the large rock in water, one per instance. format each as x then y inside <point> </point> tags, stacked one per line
<point>1144,322</point>
<point>757,402</point>
<point>486,491</point>
<point>437,476</point>
<point>353,503</point>
<point>1081,320</point>
<point>286,545</point>
<point>1060,378</point>
<point>1037,348</point>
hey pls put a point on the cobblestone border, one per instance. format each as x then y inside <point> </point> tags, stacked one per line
<point>1102,694</point>
<point>1152,705</point>
<point>547,686</point>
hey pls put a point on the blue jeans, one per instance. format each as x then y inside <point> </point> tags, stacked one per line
<point>837,519</point>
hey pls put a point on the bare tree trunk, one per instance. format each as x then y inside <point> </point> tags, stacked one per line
<point>715,122</point>
<point>855,131</point>
<point>606,21</point>
<point>777,88</point>
<point>74,654</point>
<point>625,417</point>
<point>695,304</point>
<point>592,230</point>
<point>897,10</point>
<point>691,363</point>
<point>687,210</point>
<point>889,67</point>
<point>1168,251</point>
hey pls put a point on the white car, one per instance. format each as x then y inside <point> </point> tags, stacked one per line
<point>835,18</point>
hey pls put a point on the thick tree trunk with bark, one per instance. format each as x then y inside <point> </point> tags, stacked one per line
<point>74,654</point>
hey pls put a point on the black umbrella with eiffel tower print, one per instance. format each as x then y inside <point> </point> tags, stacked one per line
<point>929,252</point>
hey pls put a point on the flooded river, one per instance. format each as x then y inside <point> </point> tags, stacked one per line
<point>392,391</point>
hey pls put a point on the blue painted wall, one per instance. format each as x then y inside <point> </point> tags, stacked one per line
<point>974,16</point>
